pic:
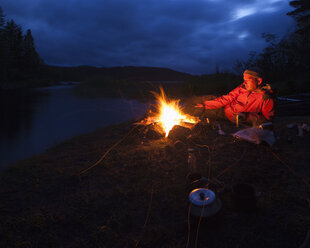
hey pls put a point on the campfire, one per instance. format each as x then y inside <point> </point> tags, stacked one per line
<point>168,114</point>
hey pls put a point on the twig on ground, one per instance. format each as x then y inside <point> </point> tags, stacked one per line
<point>109,150</point>
<point>147,216</point>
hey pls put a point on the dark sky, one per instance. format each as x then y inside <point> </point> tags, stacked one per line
<point>186,35</point>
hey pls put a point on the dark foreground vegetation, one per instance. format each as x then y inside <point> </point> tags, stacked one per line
<point>138,194</point>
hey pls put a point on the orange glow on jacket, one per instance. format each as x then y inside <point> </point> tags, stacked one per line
<point>239,100</point>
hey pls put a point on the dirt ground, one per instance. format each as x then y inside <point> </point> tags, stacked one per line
<point>137,196</point>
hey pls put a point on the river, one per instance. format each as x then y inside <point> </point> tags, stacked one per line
<point>33,120</point>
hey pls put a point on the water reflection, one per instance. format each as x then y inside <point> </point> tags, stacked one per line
<point>34,120</point>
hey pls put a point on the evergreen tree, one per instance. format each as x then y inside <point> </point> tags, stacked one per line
<point>2,19</point>
<point>14,38</point>
<point>31,59</point>
<point>301,38</point>
<point>19,59</point>
<point>291,54</point>
<point>301,14</point>
<point>3,50</point>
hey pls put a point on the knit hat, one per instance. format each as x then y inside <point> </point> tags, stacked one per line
<point>254,72</point>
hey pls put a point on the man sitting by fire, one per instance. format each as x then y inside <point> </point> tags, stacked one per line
<point>253,102</point>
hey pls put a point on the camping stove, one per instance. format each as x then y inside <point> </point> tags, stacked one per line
<point>204,203</point>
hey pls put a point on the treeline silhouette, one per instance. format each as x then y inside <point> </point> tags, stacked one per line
<point>286,60</point>
<point>21,65</point>
<point>19,60</point>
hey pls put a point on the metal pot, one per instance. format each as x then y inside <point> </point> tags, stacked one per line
<point>204,203</point>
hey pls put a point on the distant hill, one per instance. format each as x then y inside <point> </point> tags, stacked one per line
<point>80,73</point>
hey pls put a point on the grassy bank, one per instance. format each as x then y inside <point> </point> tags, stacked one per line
<point>138,194</point>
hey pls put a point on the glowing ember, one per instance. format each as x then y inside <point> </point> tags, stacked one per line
<point>170,113</point>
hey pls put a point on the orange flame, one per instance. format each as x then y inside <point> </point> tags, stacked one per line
<point>170,113</point>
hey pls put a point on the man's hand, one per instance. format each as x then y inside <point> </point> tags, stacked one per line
<point>199,105</point>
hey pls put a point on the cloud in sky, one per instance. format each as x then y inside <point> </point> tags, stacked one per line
<point>191,36</point>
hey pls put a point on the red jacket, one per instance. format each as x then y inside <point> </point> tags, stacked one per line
<point>258,105</point>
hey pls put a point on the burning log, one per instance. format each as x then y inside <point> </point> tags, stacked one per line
<point>169,115</point>
<point>179,133</point>
<point>153,132</point>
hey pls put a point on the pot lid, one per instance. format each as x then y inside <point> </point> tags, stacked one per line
<point>202,197</point>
